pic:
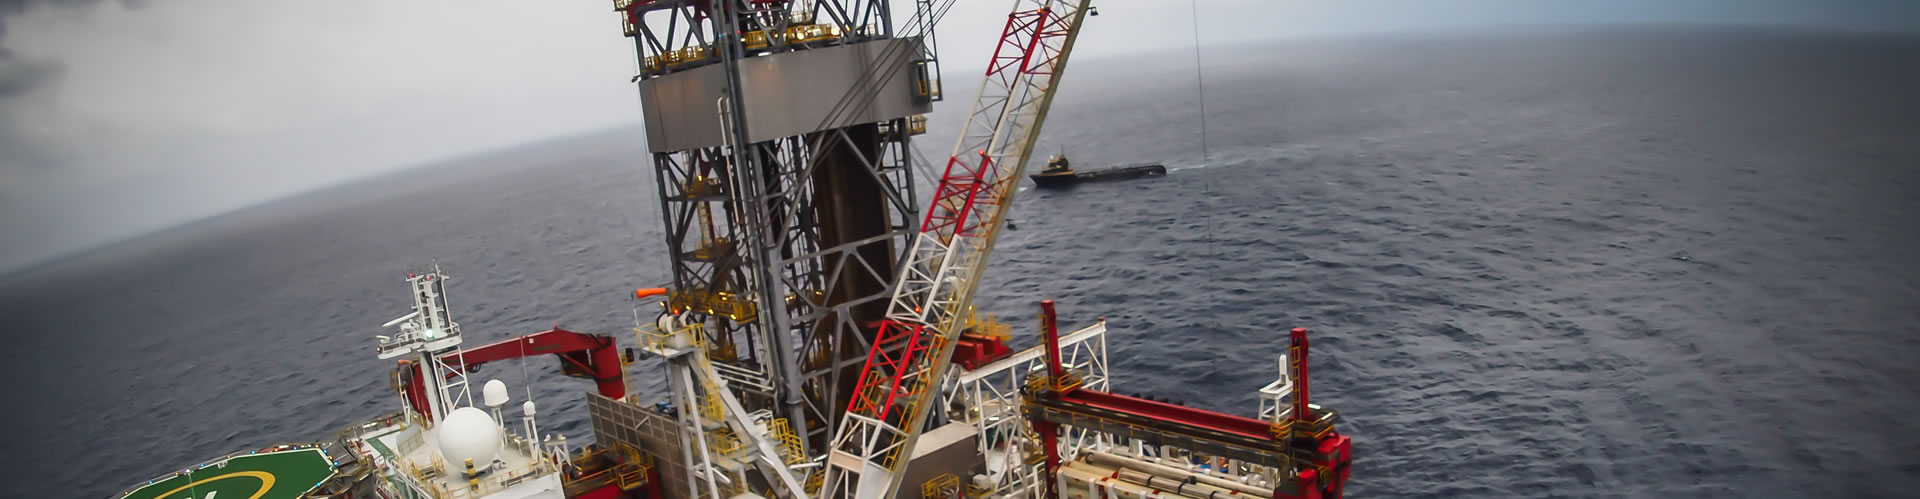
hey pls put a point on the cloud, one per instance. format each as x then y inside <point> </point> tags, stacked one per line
<point>16,80</point>
<point>17,77</point>
<point>120,118</point>
<point>24,84</point>
<point>23,87</point>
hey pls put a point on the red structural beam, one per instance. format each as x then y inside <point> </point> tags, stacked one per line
<point>1161,411</point>
<point>1298,354</point>
<point>1016,42</point>
<point>916,344</point>
<point>586,355</point>
<point>1050,432</point>
<point>955,199</point>
<point>1048,322</point>
<point>592,355</point>
<point>974,351</point>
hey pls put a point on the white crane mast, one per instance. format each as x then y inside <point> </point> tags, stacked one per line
<point>935,285</point>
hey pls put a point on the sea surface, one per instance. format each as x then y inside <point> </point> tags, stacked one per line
<point>1600,263</point>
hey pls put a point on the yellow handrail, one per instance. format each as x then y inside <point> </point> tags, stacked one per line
<point>652,338</point>
<point>944,486</point>
<point>812,33</point>
<point>789,440</point>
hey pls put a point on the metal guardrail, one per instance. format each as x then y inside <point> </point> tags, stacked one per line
<point>944,486</point>
<point>657,341</point>
<point>985,324</point>
<point>493,483</point>
<point>216,461</point>
<point>789,441</point>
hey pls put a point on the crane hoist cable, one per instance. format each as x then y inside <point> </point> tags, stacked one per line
<point>1206,154</point>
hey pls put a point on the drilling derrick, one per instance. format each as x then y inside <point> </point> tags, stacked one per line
<point>779,134</point>
<point>785,194</point>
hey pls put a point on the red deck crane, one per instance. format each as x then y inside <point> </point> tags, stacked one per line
<point>1305,443</point>
<point>581,355</point>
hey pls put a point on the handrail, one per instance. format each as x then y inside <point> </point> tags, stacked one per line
<point>216,461</point>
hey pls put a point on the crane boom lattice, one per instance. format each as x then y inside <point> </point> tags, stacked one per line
<point>936,282</point>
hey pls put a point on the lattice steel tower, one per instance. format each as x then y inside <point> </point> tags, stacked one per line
<point>779,133</point>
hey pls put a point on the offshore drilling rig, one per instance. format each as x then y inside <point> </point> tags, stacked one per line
<point>819,334</point>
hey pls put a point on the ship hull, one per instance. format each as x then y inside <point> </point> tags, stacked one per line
<point>1068,179</point>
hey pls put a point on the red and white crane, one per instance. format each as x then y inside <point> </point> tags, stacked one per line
<point>934,287</point>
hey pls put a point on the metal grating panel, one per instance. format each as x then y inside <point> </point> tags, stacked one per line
<point>615,423</point>
<point>786,94</point>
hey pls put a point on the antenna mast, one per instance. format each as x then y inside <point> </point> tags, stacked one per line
<point>428,334</point>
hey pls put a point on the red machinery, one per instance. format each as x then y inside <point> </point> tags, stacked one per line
<point>1304,442</point>
<point>582,355</point>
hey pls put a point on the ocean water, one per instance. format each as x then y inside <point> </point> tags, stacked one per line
<point>1606,263</point>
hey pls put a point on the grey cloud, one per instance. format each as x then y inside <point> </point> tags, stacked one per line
<point>11,7</point>
<point>19,76</point>
<point>19,79</point>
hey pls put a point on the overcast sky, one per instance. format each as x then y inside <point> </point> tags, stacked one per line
<point>120,117</point>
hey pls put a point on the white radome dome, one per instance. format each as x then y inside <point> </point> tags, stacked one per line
<point>494,394</point>
<point>468,433</point>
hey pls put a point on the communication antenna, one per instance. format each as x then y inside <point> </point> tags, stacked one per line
<point>428,333</point>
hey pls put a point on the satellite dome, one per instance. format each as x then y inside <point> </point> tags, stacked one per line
<point>468,433</point>
<point>528,408</point>
<point>494,393</point>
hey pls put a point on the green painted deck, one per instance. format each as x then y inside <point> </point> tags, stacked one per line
<point>382,448</point>
<point>275,475</point>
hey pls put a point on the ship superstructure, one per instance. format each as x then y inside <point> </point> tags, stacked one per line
<point>441,443</point>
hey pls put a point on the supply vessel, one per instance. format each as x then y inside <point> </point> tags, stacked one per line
<point>1060,173</point>
<point>819,336</point>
